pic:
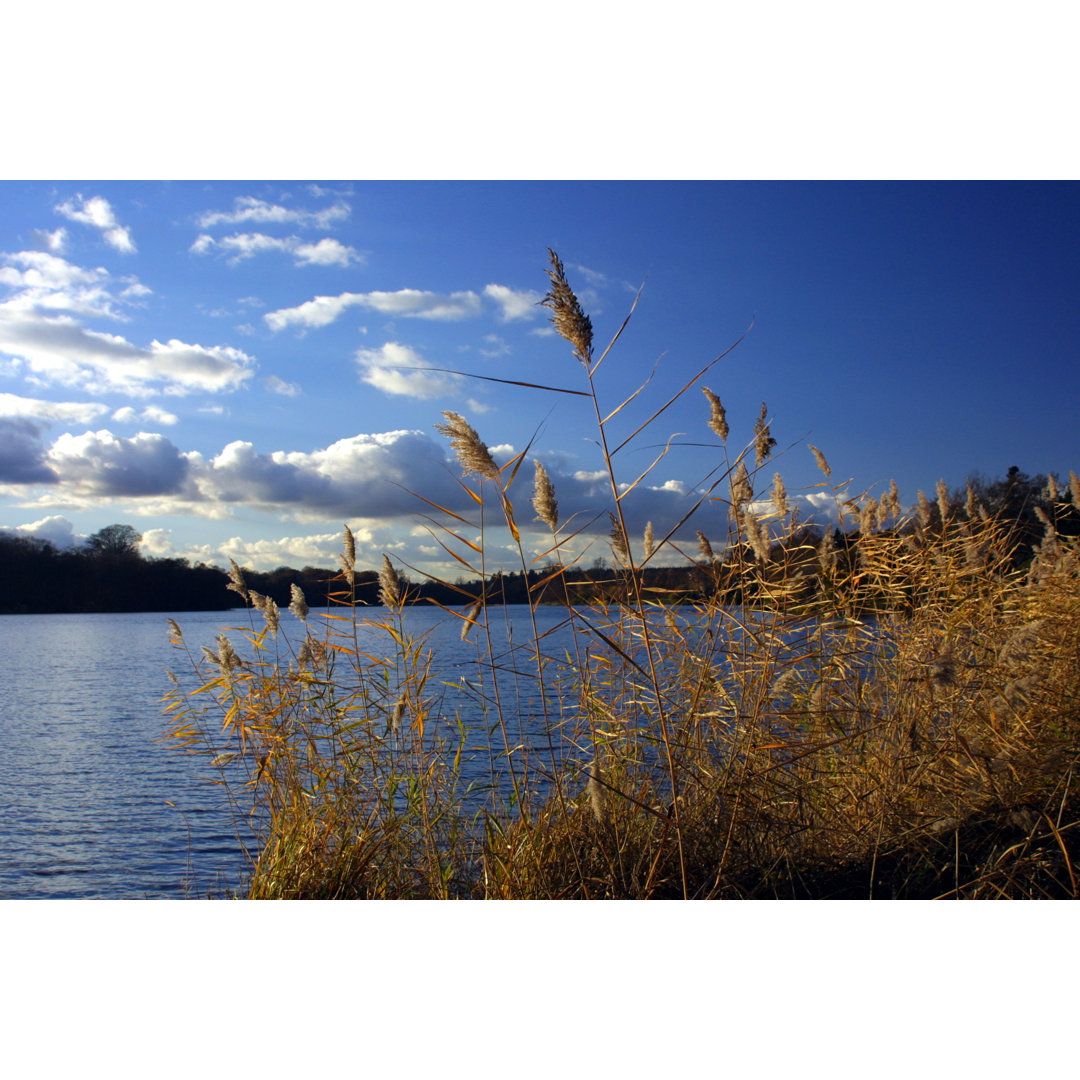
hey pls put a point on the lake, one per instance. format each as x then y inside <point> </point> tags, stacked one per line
<point>94,804</point>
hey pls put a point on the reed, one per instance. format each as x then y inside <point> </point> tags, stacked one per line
<point>886,710</point>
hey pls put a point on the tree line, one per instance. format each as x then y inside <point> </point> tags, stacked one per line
<point>108,573</point>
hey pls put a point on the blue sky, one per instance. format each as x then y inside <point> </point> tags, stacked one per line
<point>236,368</point>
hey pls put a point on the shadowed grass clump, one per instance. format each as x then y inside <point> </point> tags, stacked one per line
<point>886,710</point>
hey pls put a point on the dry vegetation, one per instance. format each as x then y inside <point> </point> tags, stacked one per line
<point>891,716</point>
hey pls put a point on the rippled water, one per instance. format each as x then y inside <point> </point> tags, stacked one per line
<point>86,782</point>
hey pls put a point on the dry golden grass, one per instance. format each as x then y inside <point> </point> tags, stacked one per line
<point>887,713</point>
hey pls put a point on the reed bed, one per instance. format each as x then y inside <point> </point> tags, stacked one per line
<point>883,711</point>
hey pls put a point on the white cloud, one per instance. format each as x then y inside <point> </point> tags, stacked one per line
<point>246,208</point>
<point>157,543</point>
<point>150,415</point>
<point>379,369</point>
<point>280,386</point>
<point>515,303</point>
<point>48,283</point>
<point>312,550</point>
<point>97,213</point>
<point>60,351</point>
<point>408,303</point>
<point>57,530</point>
<point>55,241</point>
<point>242,246</point>
<point>100,463</point>
<point>51,411</point>
<point>326,252</point>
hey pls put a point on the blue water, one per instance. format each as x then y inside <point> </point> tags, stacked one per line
<point>93,803</point>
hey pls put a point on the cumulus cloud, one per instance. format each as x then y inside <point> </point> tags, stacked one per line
<point>408,303</point>
<point>514,303</point>
<point>57,530</point>
<point>247,209</point>
<point>241,246</point>
<point>379,368</point>
<point>361,476</point>
<point>22,453</point>
<point>100,463</point>
<point>58,350</point>
<point>97,213</point>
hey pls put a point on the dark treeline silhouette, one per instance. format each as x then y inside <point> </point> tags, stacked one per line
<point>108,573</point>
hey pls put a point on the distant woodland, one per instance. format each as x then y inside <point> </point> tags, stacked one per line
<point>109,574</point>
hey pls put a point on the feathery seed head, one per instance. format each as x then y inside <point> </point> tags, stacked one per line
<point>236,580</point>
<point>597,794</point>
<point>472,453</point>
<point>1074,488</point>
<point>298,605</point>
<point>943,501</point>
<point>890,501</point>
<point>705,548</point>
<point>226,656</point>
<point>757,536</point>
<point>717,415</point>
<point>827,549</point>
<point>779,496</point>
<point>924,509</point>
<point>389,584</point>
<point>971,505</point>
<point>869,514</point>
<point>1052,492</point>
<point>763,440</point>
<point>819,457</point>
<point>741,491</point>
<point>567,316</point>
<point>619,546</point>
<point>470,617</point>
<point>544,501</point>
<point>394,720</point>
<point>649,541</point>
<point>269,611</point>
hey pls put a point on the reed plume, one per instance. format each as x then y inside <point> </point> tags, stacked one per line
<point>389,584</point>
<point>819,457</point>
<point>620,548</point>
<point>763,440</point>
<point>567,316</point>
<point>298,604</point>
<point>717,415</point>
<point>705,548</point>
<point>544,501</point>
<point>781,506</point>
<point>944,506</point>
<point>472,453</point>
